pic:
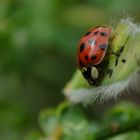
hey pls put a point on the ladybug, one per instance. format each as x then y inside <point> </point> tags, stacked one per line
<point>91,52</point>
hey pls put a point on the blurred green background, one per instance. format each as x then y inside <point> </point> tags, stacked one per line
<point>38,40</point>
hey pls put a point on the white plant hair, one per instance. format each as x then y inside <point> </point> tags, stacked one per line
<point>106,92</point>
<point>133,28</point>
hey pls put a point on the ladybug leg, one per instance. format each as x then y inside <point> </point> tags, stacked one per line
<point>118,54</point>
<point>110,72</point>
<point>117,57</point>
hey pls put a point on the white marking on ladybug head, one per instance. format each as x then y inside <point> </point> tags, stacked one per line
<point>94,73</point>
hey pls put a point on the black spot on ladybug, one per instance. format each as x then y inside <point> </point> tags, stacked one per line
<point>93,57</point>
<point>82,47</point>
<point>103,34</point>
<point>103,46</point>
<point>88,33</point>
<point>95,33</point>
<point>110,72</point>
<point>86,57</point>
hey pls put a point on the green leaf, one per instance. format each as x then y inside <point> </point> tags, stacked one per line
<point>122,113</point>
<point>74,124</point>
<point>48,121</point>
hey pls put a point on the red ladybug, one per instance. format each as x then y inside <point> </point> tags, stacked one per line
<point>91,52</point>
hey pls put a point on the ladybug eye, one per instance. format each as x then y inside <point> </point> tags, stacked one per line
<point>94,73</point>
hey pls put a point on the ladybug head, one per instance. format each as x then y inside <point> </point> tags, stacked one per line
<point>91,74</point>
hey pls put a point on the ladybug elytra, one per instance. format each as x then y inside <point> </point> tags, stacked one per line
<point>91,52</point>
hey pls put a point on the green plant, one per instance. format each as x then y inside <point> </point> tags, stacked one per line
<point>69,121</point>
<point>125,77</point>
